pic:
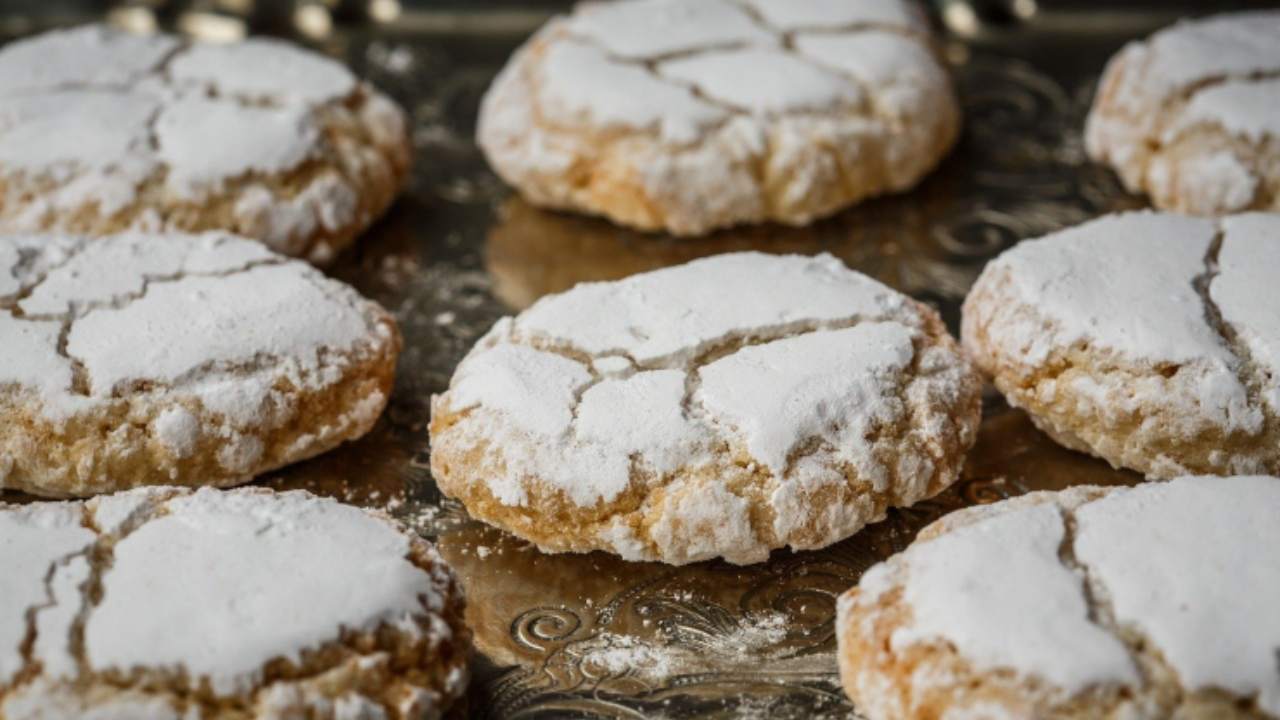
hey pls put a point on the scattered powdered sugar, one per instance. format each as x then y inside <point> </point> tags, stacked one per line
<point>756,637</point>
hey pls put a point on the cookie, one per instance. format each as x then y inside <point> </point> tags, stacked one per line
<point>722,408</point>
<point>691,115</point>
<point>163,603</point>
<point>1144,603</point>
<point>102,131</point>
<point>1191,115</point>
<point>143,359</point>
<point>1149,340</point>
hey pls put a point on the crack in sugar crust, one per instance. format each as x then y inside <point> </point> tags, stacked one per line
<point>613,417</point>
<point>821,124</point>
<point>905,654</point>
<point>113,132</point>
<point>194,359</point>
<point>397,649</point>
<point>1168,387</point>
<point>1188,115</point>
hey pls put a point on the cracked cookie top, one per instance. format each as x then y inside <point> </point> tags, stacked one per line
<point>263,587</point>
<point>128,358</point>
<point>711,61</point>
<point>154,132</point>
<point>1151,596</point>
<point>86,321</point>
<point>793,367</point>
<point>1183,114</point>
<point>1139,311</point>
<point>754,109</point>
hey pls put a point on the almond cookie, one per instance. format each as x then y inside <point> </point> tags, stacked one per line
<point>691,115</point>
<point>103,131</point>
<point>1191,115</point>
<point>722,408</point>
<point>139,359</point>
<point>1140,603</point>
<point>1150,340</point>
<point>168,604</point>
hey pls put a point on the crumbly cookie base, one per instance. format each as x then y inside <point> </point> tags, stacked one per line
<point>923,455</point>
<point>112,447</point>
<point>933,681</point>
<point>811,165</point>
<point>406,674</point>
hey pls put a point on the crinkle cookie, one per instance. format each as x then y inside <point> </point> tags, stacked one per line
<point>168,604</point>
<point>1150,340</point>
<point>723,408</point>
<point>1191,115</point>
<point>140,359</point>
<point>691,115</point>
<point>103,131</point>
<point>1139,603</point>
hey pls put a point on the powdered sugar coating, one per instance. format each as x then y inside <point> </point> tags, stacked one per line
<point>90,55</point>
<point>228,568</point>
<point>1247,266</point>
<point>101,131</point>
<point>34,539</point>
<point>648,29</point>
<point>238,69</point>
<point>1190,357</point>
<point>199,337</point>
<point>1071,276</point>
<point>1199,89</point>
<point>803,387</point>
<point>1053,602</point>
<point>678,313</point>
<point>780,82</point>
<point>584,85</point>
<point>675,104</point>
<point>183,570</point>
<point>636,387</point>
<point>956,592</point>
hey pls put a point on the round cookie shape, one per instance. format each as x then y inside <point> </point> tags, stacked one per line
<point>690,115</point>
<point>1147,339</point>
<point>289,605</point>
<point>103,131</point>
<point>144,359</point>
<point>723,408</point>
<point>1191,115</point>
<point>1145,603</point>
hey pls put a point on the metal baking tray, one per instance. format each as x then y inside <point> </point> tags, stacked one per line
<point>591,636</point>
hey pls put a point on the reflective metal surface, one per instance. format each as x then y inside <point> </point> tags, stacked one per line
<point>592,636</point>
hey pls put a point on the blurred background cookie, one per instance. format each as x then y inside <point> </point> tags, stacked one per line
<point>141,359</point>
<point>690,115</point>
<point>1150,340</point>
<point>103,131</point>
<point>722,408</point>
<point>161,603</point>
<point>1092,602</point>
<point>1191,115</point>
